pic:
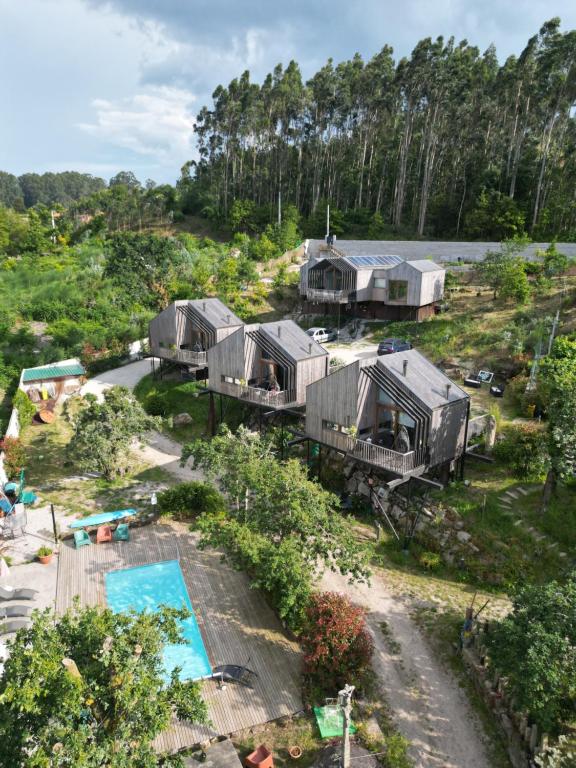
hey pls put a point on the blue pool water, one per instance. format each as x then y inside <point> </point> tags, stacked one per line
<point>149,586</point>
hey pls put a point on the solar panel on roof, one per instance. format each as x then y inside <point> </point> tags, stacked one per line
<point>374,261</point>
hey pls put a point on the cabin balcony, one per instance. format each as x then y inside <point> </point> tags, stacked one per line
<point>187,356</point>
<point>376,455</point>
<point>258,395</point>
<point>324,295</point>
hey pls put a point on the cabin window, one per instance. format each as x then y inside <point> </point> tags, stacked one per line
<point>384,398</point>
<point>379,282</point>
<point>331,425</point>
<point>229,380</point>
<point>398,290</point>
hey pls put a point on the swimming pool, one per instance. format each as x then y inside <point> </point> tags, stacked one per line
<point>147,587</point>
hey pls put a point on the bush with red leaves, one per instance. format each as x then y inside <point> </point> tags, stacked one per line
<point>337,645</point>
<point>14,456</point>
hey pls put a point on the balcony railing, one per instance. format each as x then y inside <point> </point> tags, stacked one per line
<point>324,295</point>
<point>256,395</point>
<point>377,455</point>
<point>187,356</point>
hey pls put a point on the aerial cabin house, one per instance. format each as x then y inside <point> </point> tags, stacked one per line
<point>268,364</point>
<point>185,330</point>
<point>397,413</point>
<point>386,286</point>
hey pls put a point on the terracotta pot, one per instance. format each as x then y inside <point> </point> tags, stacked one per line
<point>295,752</point>
<point>45,559</point>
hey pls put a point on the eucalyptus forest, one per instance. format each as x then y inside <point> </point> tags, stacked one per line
<point>446,143</point>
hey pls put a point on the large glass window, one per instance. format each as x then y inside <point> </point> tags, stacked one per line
<point>379,282</point>
<point>398,290</point>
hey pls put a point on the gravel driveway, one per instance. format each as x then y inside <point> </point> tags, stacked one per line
<point>430,708</point>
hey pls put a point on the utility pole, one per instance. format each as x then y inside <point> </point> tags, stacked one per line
<point>345,702</point>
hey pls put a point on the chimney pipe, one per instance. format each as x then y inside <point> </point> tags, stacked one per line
<point>404,367</point>
<point>448,388</point>
<point>203,306</point>
<point>228,319</point>
<point>310,348</point>
<point>279,331</point>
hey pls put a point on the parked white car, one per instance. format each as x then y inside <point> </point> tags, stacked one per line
<point>322,335</point>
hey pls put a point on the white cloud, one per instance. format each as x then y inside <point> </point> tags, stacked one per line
<point>157,122</point>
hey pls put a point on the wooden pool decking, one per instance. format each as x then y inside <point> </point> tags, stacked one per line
<point>237,626</point>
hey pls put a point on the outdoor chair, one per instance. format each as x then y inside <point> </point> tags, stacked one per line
<point>10,611</point>
<point>81,538</point>
<point>260,758</point>
<point>9,627</point>
<point>122,533</point>
<point>9,593</point>
<point>103,534</point>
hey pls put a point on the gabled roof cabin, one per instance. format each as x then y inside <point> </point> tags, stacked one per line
<point>396,412</point>
<point>382,285</point>
<point>269,364</point>
<point>185,330</point>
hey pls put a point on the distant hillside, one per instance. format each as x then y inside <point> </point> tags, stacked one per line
<point>30,189</point>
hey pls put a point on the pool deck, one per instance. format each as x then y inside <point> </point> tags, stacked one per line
<point>237,626</point>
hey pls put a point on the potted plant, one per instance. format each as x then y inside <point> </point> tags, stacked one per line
<point>44,554</point>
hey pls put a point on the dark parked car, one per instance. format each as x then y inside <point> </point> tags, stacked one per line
<point>388,346</point>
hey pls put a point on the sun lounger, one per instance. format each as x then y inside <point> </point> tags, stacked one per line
<point>103,534</point>
<point>122,532</point>
<point>235,673</point>
<point>81,538</point>
<point>10,593</point>
<point>9,627</point>
<point>10,611</point>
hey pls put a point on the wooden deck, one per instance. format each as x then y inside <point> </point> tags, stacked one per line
<point>237,626</point>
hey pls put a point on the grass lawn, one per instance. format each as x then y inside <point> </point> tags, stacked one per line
<point>177,396</point>
<point>477,332</point>
<point>53,475</point>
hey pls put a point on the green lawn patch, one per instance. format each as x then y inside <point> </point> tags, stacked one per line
<point>171,396</point>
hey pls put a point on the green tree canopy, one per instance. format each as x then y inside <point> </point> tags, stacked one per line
<point>535,648</point>
<point>281,525</point>
<point>103,432</point>
<point>143,264</point>
<point>88,689</point>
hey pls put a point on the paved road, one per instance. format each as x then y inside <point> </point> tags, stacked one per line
<point>126,376</point>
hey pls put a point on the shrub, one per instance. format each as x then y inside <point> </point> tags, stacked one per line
<point>188,500</point>
<point>26,409</point>
<point>523,449</point>
<point>14,455</point>
<point>430,560</point>
<point>337,646</point>
<point>155,405</point>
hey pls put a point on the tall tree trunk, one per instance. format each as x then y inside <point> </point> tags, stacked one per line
<point>549,490</point>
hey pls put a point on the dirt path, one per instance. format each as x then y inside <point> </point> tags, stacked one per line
<point>430,708</point>
<point>162,451</point>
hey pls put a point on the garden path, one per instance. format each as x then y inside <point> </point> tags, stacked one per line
<point>159,450</point>
<point>430,708</point>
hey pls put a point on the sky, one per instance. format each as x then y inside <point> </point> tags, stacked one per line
<point>100,86</point>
